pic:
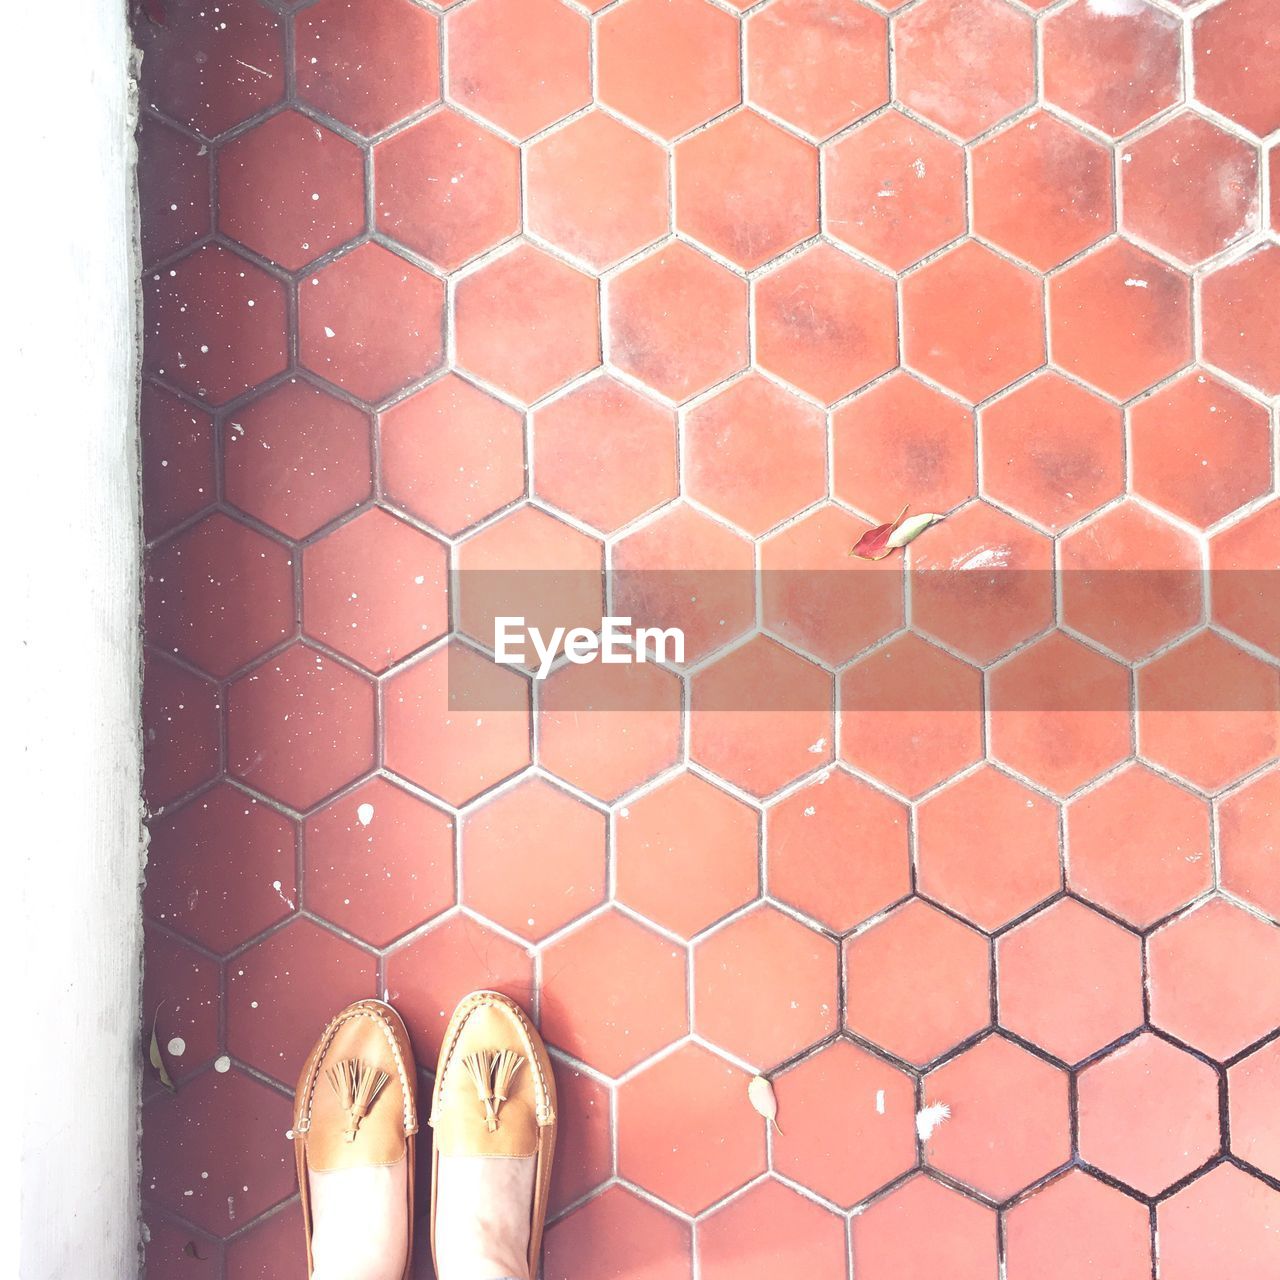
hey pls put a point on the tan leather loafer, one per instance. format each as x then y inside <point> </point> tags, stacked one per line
<point>495,1097</point>
<point>356,1104</point>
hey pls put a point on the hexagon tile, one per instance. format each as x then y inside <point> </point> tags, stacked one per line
<point>455,307</point>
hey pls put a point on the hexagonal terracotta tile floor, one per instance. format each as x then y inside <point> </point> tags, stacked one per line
<point>661,305</point>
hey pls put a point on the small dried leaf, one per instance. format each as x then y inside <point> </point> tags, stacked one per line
<point>910,530</point>
<point>874,544</point>
<point>929,1118</point>
<point>760,1092</point>
<point>157,1058</point>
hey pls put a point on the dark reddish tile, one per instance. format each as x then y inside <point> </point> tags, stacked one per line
<point>369,63</point>
<point>269,1249</point>
<point>1208,711</point>
<point>619,1236</point>
<point>817,64</point>
<point>1112,66</point>
<point>1239,331</point>
<point>214,324</point>
<point>918,982</point>
<point>746,189</point>
<point>181,715</point>
<point>1164,831</point>
<point>456,723</point>
<point>894,190</point>
<point>172,1251</point>
<point>447,188</point>
<point>1242,560</point>
<point>173,189</point>
<point>964,64</point>
<point>378,862</point>
<point>905,692</point>
<point>584,1136</point>
<point>176,444</point>
<point>533,858</point>
<point>300,726</point>
<point>686,1132</point>
<point>605,453</point>
<point>1190,188</point>
<point>669,65</point>
<point>1042,190</point>
<point>761,717</point>
<point>677,321</point>
<point>218,594</point>
<point>1252,1086</point>
<point>1223,1223</point>
<point>614,1025</point>
<point>375,589</point>
<point>493,44</point>
<point>598,190</point>
<point>972,320</point>
<point>1070,980</point>
<point>1249,841</point>
<point>527,323</point>
<point>771,1227</point>
<point>842,1088</point>
<point>1237,65</point>
<point>826,323</point>
<point>1120,319</point>
<point>1194,970</point>
<point>371,321</point>
<point>180,1003</point>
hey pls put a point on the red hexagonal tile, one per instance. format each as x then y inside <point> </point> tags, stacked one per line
<point>768,1228</point>
<point>299,726</point>
<point>761,717</point>
<point>269,1248</point>
<point>282,990</point>
<point>371,322</point>
<point>222,1125</point>
<point>894,190</point>
<point>369,63</point>
<point>290,189</point>
<point>1251,1092</point>
<point>973,321</point>
<point>379,862</point>
<point>1148,1114</point>
<point>214,324</point>
<point>924,1229</point>
<point>173,189</point>
<point>1009,1123</point>
<point>1120,319</point>
<point>838,851</point>
<point>826,323</point>
<point>608,1024</point>
<point>168,1248</point>
<point>218,594</point>
<point>448,188</point>
<point>1239,335</point>
<point>747,189</point>
<point>456,723</point>
<point>1208,711</point>
<point>1237,65</point>
<point>1195,966</point>
<point>844,1088</point>
<point>918,982</point>
<point>1224,1220</point>
<point>686,1132</point>
<point>1249,841</point>
<point>528,323</point>
<point>492,45</point>
<point>605,453</point>
<point>209,69</point>
<point>817,64</point>
<point>1043,1240</point>
<point>1052,451</point>
<point>1242,560</point>
<point>1042,190</point>
<point>451,454</point>
<point>1130,580</point>
<point>1059,713</point>
<point>686,854</point>
<point>533,858</point>
<point>677,321</point>
<point>1165,835</point>
<point>615,1233</point>
<point>176,446</point>
<point>669,65</point>
<point>1190,188</point>
<point>755,454</point>
<point>906,693</point>
<point>1112,66</point>
<point>180,1000</point>
<point>297,457</point>
<point>584,1136</point>
<point>598,190</point>
<point>1070,980</point>
<point>964,64</point>
<point>181,718</point>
